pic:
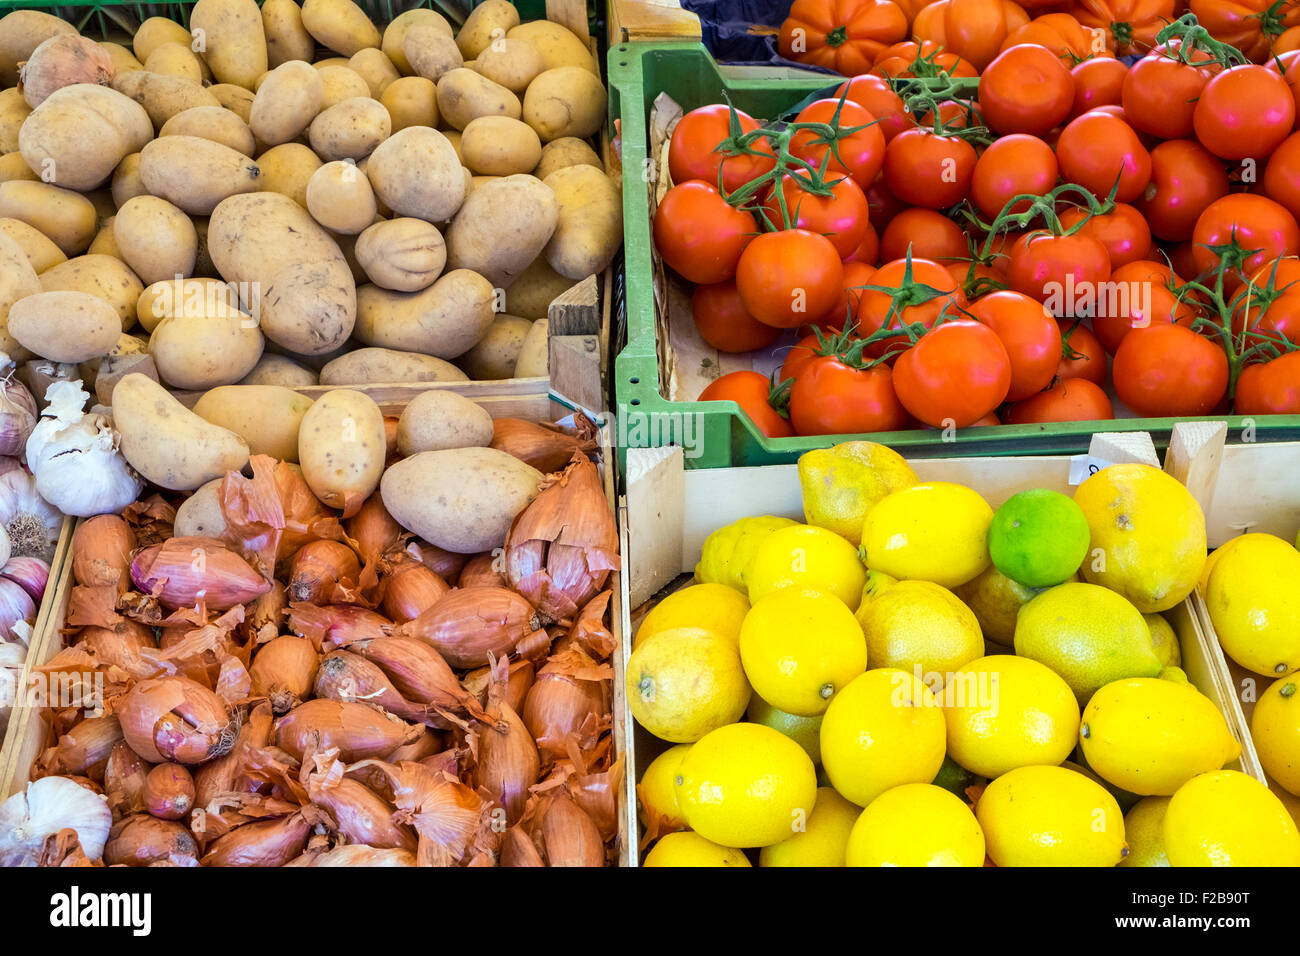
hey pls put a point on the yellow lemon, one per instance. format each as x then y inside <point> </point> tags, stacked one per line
<point>919,624</point>
<point>1004,712</point>
<point>806,557</point>
<point>1144,828</point>
<point>1226,818</point>
<point>875,585</point>
<point>1254,604</point>
<point>1289,800</point>
<point>936,531</point>
<point>683,683</point>
<point>728,550</point>
<point>800,647</point>
<point>713,607</point>
<point>1148,535</point>
<point>746,785</point>
<point>1088,634</point>
<point>1151,736</point>
<point>1050,816</point>
<point>996,600</point>
<point>882,730</point>
<point>805,731</point>
<point>1175,674</point>
<point>1275,728</point>
<point>842,483</point>
<point>691,849</point>
<point>916,824</point>
<point>1164,640</point>
<point>656,794</point>
<point>822,840</point>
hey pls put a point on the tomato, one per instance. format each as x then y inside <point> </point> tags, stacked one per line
<point>1122,231</point>
<point>1136,297</point>
<point>751,391</point>
<point>1270,388</point>
<point>868,250</point>
<point>955,375</point>
<point>955,114</point>
<point>698,235</point>
<point>841,217</point>
<point>1275,311</point>
<point>1244,112</point>
<point>1097,148</point>
<point>975,29</point>
<point>831,398</point>
<point>724,323</point>
<point>840,35</point>
<point>1160,92</point>
<point>1185,178</point>
<point>1249,25</point>
<point>884,205</point>
<point>1026,89</point>
<point>928,234</point>
<point>1257,222</point>
<point>977,278</point>
<point>1088,357</point>
<point>790,278</point>
<point>1282,174</point>
<point>1183,258</point>
<point>874,95</point>
<point>1287,65</point>
<point>1288,41</point>
<point>876,306</point>
<point>923,168</point>
<point>692,151</point>
<point>848,306</point>
<point>1062,34</point>
<point>1059,271</point>
<point>1030,336</point>
<point>860,153</point>
<point>901,60</point>
<point>1069,400</point>
<point>1097,82</point>
<point>797,359</point>
<point>1128,25</point>
<point>1169,370</point>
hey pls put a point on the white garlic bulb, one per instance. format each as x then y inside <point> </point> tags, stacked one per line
<point>47,806</point>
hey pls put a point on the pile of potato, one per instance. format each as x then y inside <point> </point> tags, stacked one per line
<point>402,210</point>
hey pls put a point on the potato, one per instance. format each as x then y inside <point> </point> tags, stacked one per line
<point>454,137</point>
<point>203,266</point>
<point>531,294</point>
<point>496,354</point>
<point>13,166</point>
<point>339,83</point>
<point>310,303</point>
<point>191,297</point>
<point>105,243</point>
<point>566,101</point>
<point>166,442</point>
<point>41,253</point>
<point>105,208</point>
<point>376,366</point>
<point>286,169</point>
<point>350,130</point>
<point>267,417</point>
<point>156,239</point>
<point>13,112</point>
<point>66,217</point>
<point>411,101</point>
<point>511,63</point>
<point>200,514</point>
<point>502,227</point>
<point>196,174</point>
<point>444,320</point>
<point>286,38</point>
<point>286,103</point>
<point>124,60</point>
<point>394,39</point>
<point>431,53</point>
<point>464,95</point>
<point>64,326</point>
<point>21,32</point>
<point>215,123</point>
<point>463,500</point>
<point>590,227</point>
<point>490,20</point>
<point>18,278</point>
<point>162,96</point>
<point>416,173</point>
<point>339,197</point>
<point>231,37</point>
<point>500,146</point>
<point>566,151</point>
<point>130,355</point>
<point>375,68</point>
<point>79,134</point>
<point>234,98</point>
<point>175,59</point>
<point>279,370</point>
<point>156,31</point>
<point>439,419</point>
<point>340,25</point>
<point>341,447</point>
<point>103,276</point>
<point>535,354</point>
<point>557,44</point>
<point>196,352</point>
<point>347,243</point>
<point>404,255</point>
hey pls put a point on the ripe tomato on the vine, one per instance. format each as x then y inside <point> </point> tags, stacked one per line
<point>1185,178</point>
<point>1160,91</point>
<point>723,321</point>
<point>699,235</point>
<point>1244,113</point>
<point>751,391</point>
<point>927,233</point>
<point>1274,310</point>
<point>790,278</point>
<point>1058,270</point>
<point>1139,297</point>
<point>1030,336</point>
<point>1027,89</point>
<point>1169,370</point>
<point>1061,33</point>
<point>955,375</point>
<point>1123,231</point>
<point>1087,357</point>
<point>924,168</point>
<point>1282,174</point>
<point>832,398</point>
<point>693,151</point>
<point>874,94</point>
<point>1069,400</point>
<point>842,217</point>
<point>1098,148</point>
<point>860,153</point>
<point>1249,25</point>
<point>897,307</point>
<point>1097,82</point>
<point>1270,388</point>
<point>1257,222</point>
<point>1012,165</point>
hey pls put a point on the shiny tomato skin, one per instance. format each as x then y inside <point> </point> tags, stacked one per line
<point>1097,82</point>
<point>1140,298</point>
<point>848,306</point>
<point>842,217</point>
<point>928,233</point>
<point>1185,178</point>
<point>1279,281</point>
<point>1026,89</point>
<point>749,390</point>
<point>860,153</point>
<point>868,250</point>
<point>1123,231</point>
<point>724,323</point>
<point>884,205</point>
<point>873,94</point>
<point>1097,148</point>
<point>692,151</point>
<point>1244,113</point>
<point>1030,335</point>
<point>1090,361</point>
<point>1282,174</point>
<point>955,375</point>
<point>929,170</point>
<point>800,354</point>
<point>1069,400</point>
<point>831,398</point>
<point>875,305</point>
<point>1258,222</point>
<point>1270,388</point>
<point>1012,165</point>
<point>1169,370</point>
<point>1160,93</point>
<point>1057,269</point>
<point>699,235</point>
<point>789,278</point>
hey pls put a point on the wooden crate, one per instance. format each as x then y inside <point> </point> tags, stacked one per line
<point>640,21</point>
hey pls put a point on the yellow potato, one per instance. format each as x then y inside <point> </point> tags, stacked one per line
<point>557,44</point>
<point>464,95</point>
<point>286,169</point>
<point>286,38</point>
<point>340,82</point>
<point>162,96</point>
<point>230,35</point>
<point>375,68</point>
<point>156,239</point>
<point>500,146</point>
<point>41,253</point>
<point>531,294</point>
<point>394,39</point>
<point>439,419</point>
<point>445,320</point>
<point>404,255</point>
<point>156,31</point>
<point>191,297</point>
<point>431,53</point>
<point>278,370</point>
<point>103,276</point>
<point>502,227</point>
<point>79,134</point>
<point>18,279</point>
<point>566,101</point>
<point>350,130</point>
<point>511,63</point>
<point>566,151</point>
<point>267,417</point>
<point>496,354</point>
<point>64,326</point>
<point>13,112</point>
<point>13,166</point>
<point>339,197</point>
<point>534,355</point>
<point>375,366</point>
<point>124,60</point>
<point>234,98</point>
<point>590,226</point>
<point>126,184</point>
<point>342,447</point>
<point>215,123</point>
<point>195,352</point>
<point>416,173</point>
<point>175,59</point>
<point>488,21</point>
<point>196,174</point>
<point>286,103</point>
<point>411,101</point>
<point>340,25</point>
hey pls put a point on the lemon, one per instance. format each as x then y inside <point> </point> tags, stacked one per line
<point>805,731</point>
<point>918,624</point>
<point>728,550</point>
<point>1004,712</point>
<point>802,556</point>
<point>1275,728</point>
<point>713,607</point>
<point>1289,800</point>
<point>1088,634</point>
<point>1175,674</point>
<point>1038,538</point>
<point>746,785</point>
<point>996,600</point>
<point>916,824</point>
<point>842,483</point>
<point>1125,799</point>
<point>683,683</point>
<point>691,849</point>
<point>936,531</point>
<point>823,839</point>
<point>1148,535</point>
<point>875,585</point>
<point>1254,604</point>
<point>882,730</point>
<point>1226,818</point>
<point>656,794</point>
<point>1050,816</point>
<point>1164,641</point>
<point>1151,736</point>
<point>1144,828</point>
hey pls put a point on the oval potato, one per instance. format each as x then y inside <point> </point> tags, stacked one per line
<point>502,227</point>
<point>156,239</point>
<point>200,514</point>
<point>500,146</point>
<point>175,59</point>
<point>286,38</point>
<point>215,123</point>
<point>162,96</point>
<point>195,296</point>
<point>154,32</point>
<point>64,326</point>
<point>13,166</point>
<point>339,83</point>
<point>350,130</point>
<point>511,63</point>
<point>377,366</point>
<point>66,217</point>
<point>13,113</point>
<point>196,174</point>
<point>234,41</point>
<point>558,45</point>
<point>126,184</point>
<point>590,226</point>
<point>287,168</point>
<point>464,95</point>
<point>431,53</point>
<point>79,134</point>
<point>41,253</point>
<point>411,101</point>
<point>495,355</point>
<point>394,39</point>
<point>342,447</point>
<point>566,101</point>
<point>340,25</point>
<point>196,352</point>
<point>375,68</point>
<point>566,151</point>
<point>280,370</point>
<point>340,198</point>
<point>286,103</point>
<point>105,243</point>
<point>404,255</point>
<point>234,98</point>
<point>532,293</point>
<point>267,417</point>
<point>534,357</point>
<point>439,419</point>
<point>18,278</point>
<point>416,173</point>
<point>104,276</point>
<point>445,320</point>
<point>490,20</point>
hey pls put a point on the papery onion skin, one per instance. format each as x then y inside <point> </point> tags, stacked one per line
<point>518,849</point>
<point>518,684</point>
<point>124,777</point>
<point>363,816</point>
<point>508,763</point>
<point>373,529</point>
<point>283,671</point>
<point>141,840</point>
<point>546,447</point>
<point>175,718</point>
<point>357,730</point>
<point>345,676</point>
<point>446,564</point>
<point>185,570</point>
<point>169,792</point>
<point>411,590</point>
<point>84,749</point>
<point>101,552</point>
<point>428,745</point>
<point>483,570</point>
<point>337,625</point>
<point>353,855</point>
<point>318,568</point>
<point>560,703</point>
<point>220,775</point>
<point>469,624</point>
<point>266,614</point>
<point>569,835</point>
<point>418,672</point>
<point>264,842</point>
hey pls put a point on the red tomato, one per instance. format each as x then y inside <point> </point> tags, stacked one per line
<point>790,278</point>
<point>1097,148</point>
<point>1282,174</point>
<point>692,151</point>
<point>860,154</point>
<point>1168,370</point>
<point>1122,231</point>
<point>928,234</point>
<point>925,169</point>
<point>868,250</point>
<point>1069,400</point>
<point>841,217</point>
<point>1249,25</point>
<point>831,398</point>
<point>848,306</point>
<point>1030,335</point>
<point>955,375</point>
<point>724,323</point>
<point>1160,92</point>
<point>874,95</point>
<point>1012,166</point>
<point>977,278</point>
<point>1275,310</point>
<point>1244,112</point>
<point>1185,178</point>
<point>1288,65</point>
<point>751,391</point>
<point>975,29</point>
<point>1137,297</point>
<point>840,35</point>
<point>1061,33</point>
<point>1086,359</point>
<point>1059,271</point>
<point>904,307</point>
<point>901,59</point>
<point>1270,388</point>
<point>1258,223</point>
<point>699,236</point>
<point>1027,89</point>
<point>1129,25</point>
<point>797,359</point>
<point>883,204</point>
<point>1097,82</point>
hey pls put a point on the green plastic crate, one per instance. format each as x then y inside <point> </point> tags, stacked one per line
<point>716,434</point>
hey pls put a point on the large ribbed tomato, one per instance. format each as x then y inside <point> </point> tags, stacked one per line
<point>841,35</point>
<point>1130,26</point>
<point>1062,34</point>
<point>1249,25</point>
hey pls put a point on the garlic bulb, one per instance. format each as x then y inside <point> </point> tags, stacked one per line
<point>75,457</point>
<point>30,522</point>
<point>47,806</point>
<point>17,415</point>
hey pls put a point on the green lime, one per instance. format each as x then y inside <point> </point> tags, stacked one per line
<point>805,731</point>
<point>953,778</point>
<point>1038,538</point>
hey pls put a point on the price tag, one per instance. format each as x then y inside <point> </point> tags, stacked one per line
<point>1082,466</point>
